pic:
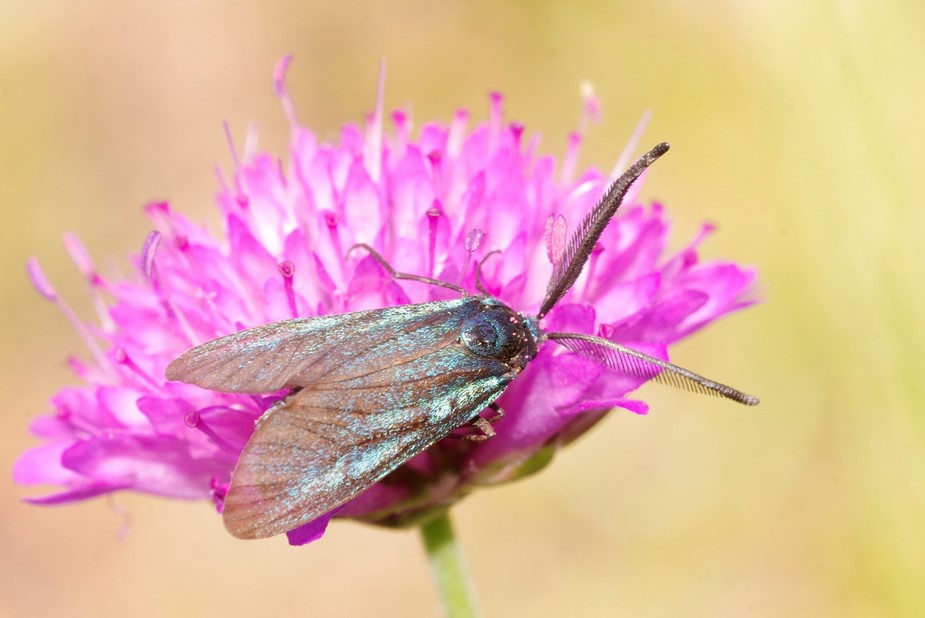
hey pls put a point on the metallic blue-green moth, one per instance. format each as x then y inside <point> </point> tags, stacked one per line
<point>370,390</point>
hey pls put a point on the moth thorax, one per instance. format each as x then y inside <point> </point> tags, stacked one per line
<point>498,332</point>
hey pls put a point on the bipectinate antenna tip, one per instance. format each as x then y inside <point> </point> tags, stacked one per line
<point>582,242</point>
<point>633,362</point>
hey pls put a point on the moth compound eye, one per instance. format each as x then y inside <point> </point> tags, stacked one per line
<point>493,334</point>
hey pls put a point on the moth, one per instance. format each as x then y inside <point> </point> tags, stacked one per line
<point>369,390</point>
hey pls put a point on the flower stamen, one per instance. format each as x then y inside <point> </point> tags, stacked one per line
<point>402,130</point>
<point>436,158</point>
<point>570,160</point>
<point>471,244</point>
<point>517,132</point>
<point>231,147</point>
<point>120,356</point>
<point>43,286</point>
<point>457,133</point>
<point>332,221</point>
<point>279,83</point>
<point>148,253</point>
<point>372,156</point>
<point>495,121</point>
<point>195,420</point>
<point>433,219</point>
<point>624,159</point>
<point>287,270</point>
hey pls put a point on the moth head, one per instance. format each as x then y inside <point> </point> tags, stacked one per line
<point>497,331</point>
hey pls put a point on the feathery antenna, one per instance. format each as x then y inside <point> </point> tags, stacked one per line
<point>579,247</point>
<point>634,363</point>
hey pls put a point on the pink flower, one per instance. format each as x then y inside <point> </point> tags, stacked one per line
<point>432,206</point>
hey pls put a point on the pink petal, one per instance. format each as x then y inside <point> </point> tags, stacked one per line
<point>312,531</point>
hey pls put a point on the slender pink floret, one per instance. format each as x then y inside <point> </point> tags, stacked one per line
<point>433,205</point>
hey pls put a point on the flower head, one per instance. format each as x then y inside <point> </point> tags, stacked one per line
<point>432,206</point>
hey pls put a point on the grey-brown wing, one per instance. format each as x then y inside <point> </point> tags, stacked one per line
<point>297,352</point>
<point>330,441</point>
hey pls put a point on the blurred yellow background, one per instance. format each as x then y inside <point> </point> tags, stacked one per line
<point>797,127</point>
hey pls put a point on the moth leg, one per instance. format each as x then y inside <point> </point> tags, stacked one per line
<point>483,426</point>
<point>498,413</point>
<point>406,276</point>
<point>484,430</point>
<point>478,274</point>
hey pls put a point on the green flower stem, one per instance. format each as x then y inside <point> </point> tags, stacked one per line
<point>448,568</point>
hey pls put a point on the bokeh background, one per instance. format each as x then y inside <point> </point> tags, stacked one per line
<point>796,127</point>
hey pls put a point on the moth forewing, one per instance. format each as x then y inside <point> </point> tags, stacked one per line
<point>294,353</point>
